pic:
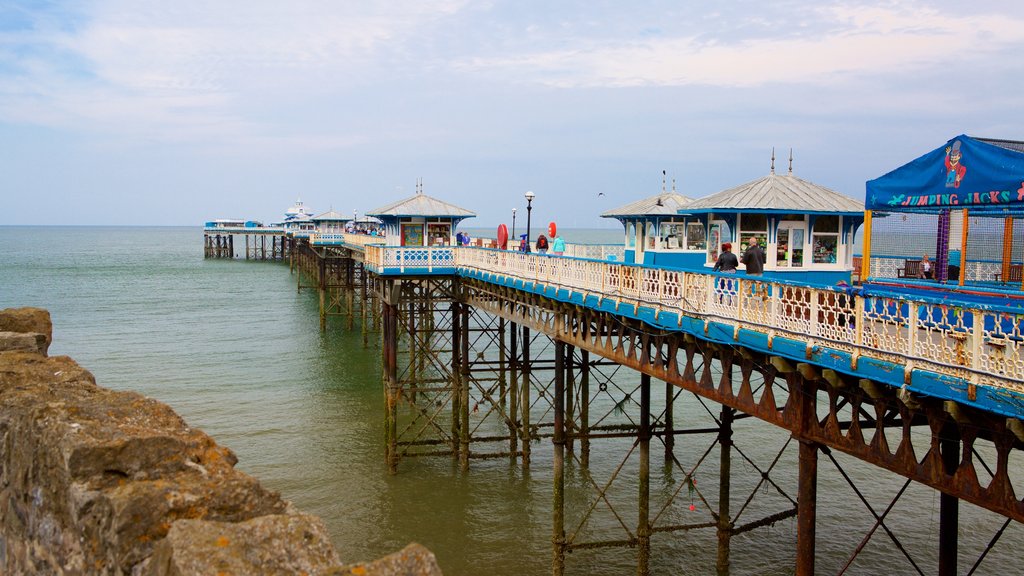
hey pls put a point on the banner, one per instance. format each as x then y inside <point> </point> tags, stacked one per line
<point>964,173</point>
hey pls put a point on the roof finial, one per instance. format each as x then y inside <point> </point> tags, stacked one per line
<point>663,176</point>
<point>673,185</point>
<point>419,186</point>
<point>773,160</point>
<point>790,161</point>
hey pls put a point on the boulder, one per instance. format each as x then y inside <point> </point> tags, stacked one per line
<point>27,320</point>
<point>291,543</point>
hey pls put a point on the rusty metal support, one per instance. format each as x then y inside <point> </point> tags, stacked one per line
<point>806,508</point>
<point>558,440</point>
<point>464,383</point>
<point>584,408</point>
<point>524,402</point>
<point>643,530</point>
<point>391,387</point>
<point>456,377</point>
<point>949,506</point>
<point>724,492</point>
<point>513,408</point>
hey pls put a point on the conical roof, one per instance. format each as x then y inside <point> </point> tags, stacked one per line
<point>666,203</point>
<point>331,216</point>
<point>778,192</point>
<point>421,205</point>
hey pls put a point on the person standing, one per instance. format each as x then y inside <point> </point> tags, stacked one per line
<point>727,261</point>
<point>558,246</point>
<point>753,258</point>
<point>542,244</point>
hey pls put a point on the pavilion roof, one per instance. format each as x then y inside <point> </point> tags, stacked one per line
<point>778,193</point>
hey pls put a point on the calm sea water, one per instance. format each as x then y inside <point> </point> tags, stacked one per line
<point>236,351</point>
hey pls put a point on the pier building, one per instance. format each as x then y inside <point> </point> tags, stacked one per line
<point>487,352</point>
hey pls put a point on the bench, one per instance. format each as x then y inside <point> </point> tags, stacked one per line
<point>1015,275</point>
<point>911,269</point>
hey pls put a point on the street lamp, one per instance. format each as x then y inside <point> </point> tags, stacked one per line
<point>513,225</point>
<point>529,208</point>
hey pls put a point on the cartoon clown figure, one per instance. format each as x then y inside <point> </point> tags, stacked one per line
<point>954,169</point>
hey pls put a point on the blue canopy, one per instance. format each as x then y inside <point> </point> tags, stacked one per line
<point>985,176</point>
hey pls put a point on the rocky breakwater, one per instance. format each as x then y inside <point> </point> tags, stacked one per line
<point>94,481</point>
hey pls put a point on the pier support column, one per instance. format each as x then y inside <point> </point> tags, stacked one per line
<point>670,430</point>
<point>464,385</point>
<point>391,387</point>
<point>513,391</point>
<point>525,399</point>
<point>724,491</point>
<point>806,508</point>
<point>584,408</point>
<point>558,440</point>
<point>643,530</point>
<point>322,290</point>
<point>949,506</point>
<point>456,395</point>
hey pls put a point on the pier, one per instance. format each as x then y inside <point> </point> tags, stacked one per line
<point>494,353</point>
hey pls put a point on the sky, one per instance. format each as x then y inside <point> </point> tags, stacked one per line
<point>151,112</point>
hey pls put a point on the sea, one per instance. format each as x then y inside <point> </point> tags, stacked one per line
<point>236,350</point>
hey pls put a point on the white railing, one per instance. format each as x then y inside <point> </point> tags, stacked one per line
<point>402,259</point>
<point>346,238</point>
<point>977,344</point>
<point>596,251</point>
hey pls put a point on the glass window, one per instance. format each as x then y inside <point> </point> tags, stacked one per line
<point>631,235</point>
<point>755,225</point>
<point>439,234</point>
<point>671,235</point>
<point>825,248</point>
<point>696,236</point>
<point>826,224</point>
<point>754,222</point>
<point>825,240</point>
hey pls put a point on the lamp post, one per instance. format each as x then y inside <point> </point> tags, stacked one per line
<point>513,224</point>
<point>529,208</point>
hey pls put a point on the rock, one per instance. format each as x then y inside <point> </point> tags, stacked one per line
<point>413,560</point>
<point>27,320</point>
<point>94,481</point>
<point>277,544</point>
<point>23,341</point>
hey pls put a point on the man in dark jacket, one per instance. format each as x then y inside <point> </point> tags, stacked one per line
<point>753,258</point>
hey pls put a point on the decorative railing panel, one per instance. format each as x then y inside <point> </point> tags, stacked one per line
<point>968,341</point>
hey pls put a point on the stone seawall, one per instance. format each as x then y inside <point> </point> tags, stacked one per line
<point>94,481</point>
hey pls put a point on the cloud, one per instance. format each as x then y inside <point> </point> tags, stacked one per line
<point>201,70</point>
<point>831,44</point>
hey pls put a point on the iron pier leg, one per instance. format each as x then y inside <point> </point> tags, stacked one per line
<point>949,506</point>
<point>391,389</point>
<point>585,409</point>
<point>502,376</point>
<point>525,394</point>
<point>322,288</point>
<point>456,432</point>
<point>643,531</point>
<point>558,526</point>
<point>570,403</point>
<point>806,508</point>
<point>724,480</point>
<point>513,393</point>
<point>464,384</point>
<point>670,436</point>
